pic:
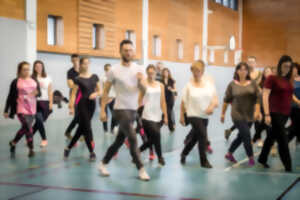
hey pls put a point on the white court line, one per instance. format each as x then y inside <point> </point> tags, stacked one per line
<point>239,163</point>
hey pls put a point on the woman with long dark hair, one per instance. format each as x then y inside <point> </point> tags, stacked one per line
<point>44,102</point>
<point>170,93</point>
<point>277,101</point>
<point>89,86</point>
<point>21,100</point>
<point>243,94</point>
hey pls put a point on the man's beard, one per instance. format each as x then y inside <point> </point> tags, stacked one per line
<point>127,60</point>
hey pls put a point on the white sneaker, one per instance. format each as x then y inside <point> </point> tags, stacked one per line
<point>143,175</point>
<point>102,169</point>
<point>260,144</point>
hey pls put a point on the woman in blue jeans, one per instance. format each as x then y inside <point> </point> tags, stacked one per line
<point>243,94</point>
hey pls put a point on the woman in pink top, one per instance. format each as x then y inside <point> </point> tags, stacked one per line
<point>22,101</point>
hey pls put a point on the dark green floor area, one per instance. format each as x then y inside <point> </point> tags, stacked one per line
<point>47,176</point>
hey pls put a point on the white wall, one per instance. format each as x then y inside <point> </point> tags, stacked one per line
<point>12,51</point>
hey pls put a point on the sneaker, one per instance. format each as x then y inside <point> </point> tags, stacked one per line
<point>209,149</point>
<point>161,161</point>
<point>102,169</point>
<point>143,175</point>
<point>227,134</point>
<point>182,160</point>
<point>260,143</point>
<point>207,165</point>
<point>44,143</point>
<point>151,156</point>
<point>31,153</point>
<point>68,135</point>
<point>251,162</point>
<point>92,157</point>
<point>230,158</point>
<point>12,148</point>
<point>127,143</point>
<point>115,131</point>
<point>66,153</point>
<point>265,165</point>
<point>81,139</point>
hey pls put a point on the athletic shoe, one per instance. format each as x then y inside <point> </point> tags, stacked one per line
<point>66,153</point>
<point>209,149</point>
<point>68,135</point>
<point>274,151</point>
<point>265,165</point>
<point>161,161</point>
<point>92,157</point>
<point>12,148</point>
<point>230,158</point>
<point>151,156</point>
<point>44,143</point>
<point>207,165</point>
<point>251,162</point>
<point>260,143</point>
<point>102,169</point>
<point>227,134</point>
<point>182,160</point>
<point>31,153</point>
<point>143,175</point>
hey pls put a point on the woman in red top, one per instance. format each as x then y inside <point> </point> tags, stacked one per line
<point>277,99</point>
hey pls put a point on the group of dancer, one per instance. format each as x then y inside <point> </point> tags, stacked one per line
<point>147,96</point>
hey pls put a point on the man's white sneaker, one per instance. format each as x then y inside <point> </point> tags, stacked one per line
<point>102,169</point>
<point>143,175</point>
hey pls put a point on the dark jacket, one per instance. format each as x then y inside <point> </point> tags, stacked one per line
<point>11,101</point>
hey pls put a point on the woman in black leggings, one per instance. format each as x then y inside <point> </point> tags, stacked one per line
<point>277,101</point>
<point>154,106</point>
<point>90,88</point>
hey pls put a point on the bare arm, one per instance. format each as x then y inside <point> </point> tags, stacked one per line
<point>266,95</point>
<point>73,97</point>
<point>104,100</point>
<point>70,83</point>
<point>296,100</point>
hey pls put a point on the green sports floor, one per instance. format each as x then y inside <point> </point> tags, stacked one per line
<point>48,177</point>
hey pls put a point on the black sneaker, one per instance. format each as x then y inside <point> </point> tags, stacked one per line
<point>66,153</point>
<point>68,135</point>
<point>161,161</point>
<point>31,153</point>
<point>207,165</point>
<point>182,160</point>
<point>92,157</point>
<point>12,148</point>
<point>265,165</point>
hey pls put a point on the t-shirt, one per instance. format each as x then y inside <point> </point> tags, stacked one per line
<point>44,85</point>
<point>152,104</point>
<point>197,99</point>
<point>112,93</point>
<point>71,75</point>
<point>243,100</point>
<point>125,83</point>
<point>26,102</point>
<point>281,96</point>
<point>87,86</point>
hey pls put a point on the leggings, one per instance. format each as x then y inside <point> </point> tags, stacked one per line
<point>110,107</point>
<point>86,109</point>
<point>171,116</point>
<point>39,125</point>
<point>26,129</point>
<point>294,129</point>
<point>277,133</point>
<point>199,135</point>
<point>244,136</point>
<point>74,122</point>
<point>152,130</point>
<point>125,119</point>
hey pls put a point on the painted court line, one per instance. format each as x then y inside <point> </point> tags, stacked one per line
<point>239,163</point>
<point>28,194</point>
<point>289,188</point>
<point>44,187</point>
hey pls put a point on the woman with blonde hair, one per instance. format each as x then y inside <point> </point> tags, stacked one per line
<point>199,100</point>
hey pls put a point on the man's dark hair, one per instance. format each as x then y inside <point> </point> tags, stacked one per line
<point>125,42</point>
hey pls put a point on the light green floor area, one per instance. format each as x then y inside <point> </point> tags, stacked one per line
<point>47,176</point>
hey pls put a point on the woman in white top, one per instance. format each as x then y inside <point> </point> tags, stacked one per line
<point>198,102</point>
<point>110,103</point>
<point>153,99</point>
<point>44,102</point>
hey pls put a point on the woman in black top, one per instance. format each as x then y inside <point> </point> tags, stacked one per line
<point>90,89</point>
<point>170,93</point>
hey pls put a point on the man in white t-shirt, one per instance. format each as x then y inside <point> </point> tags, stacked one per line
<point>127,78</point>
